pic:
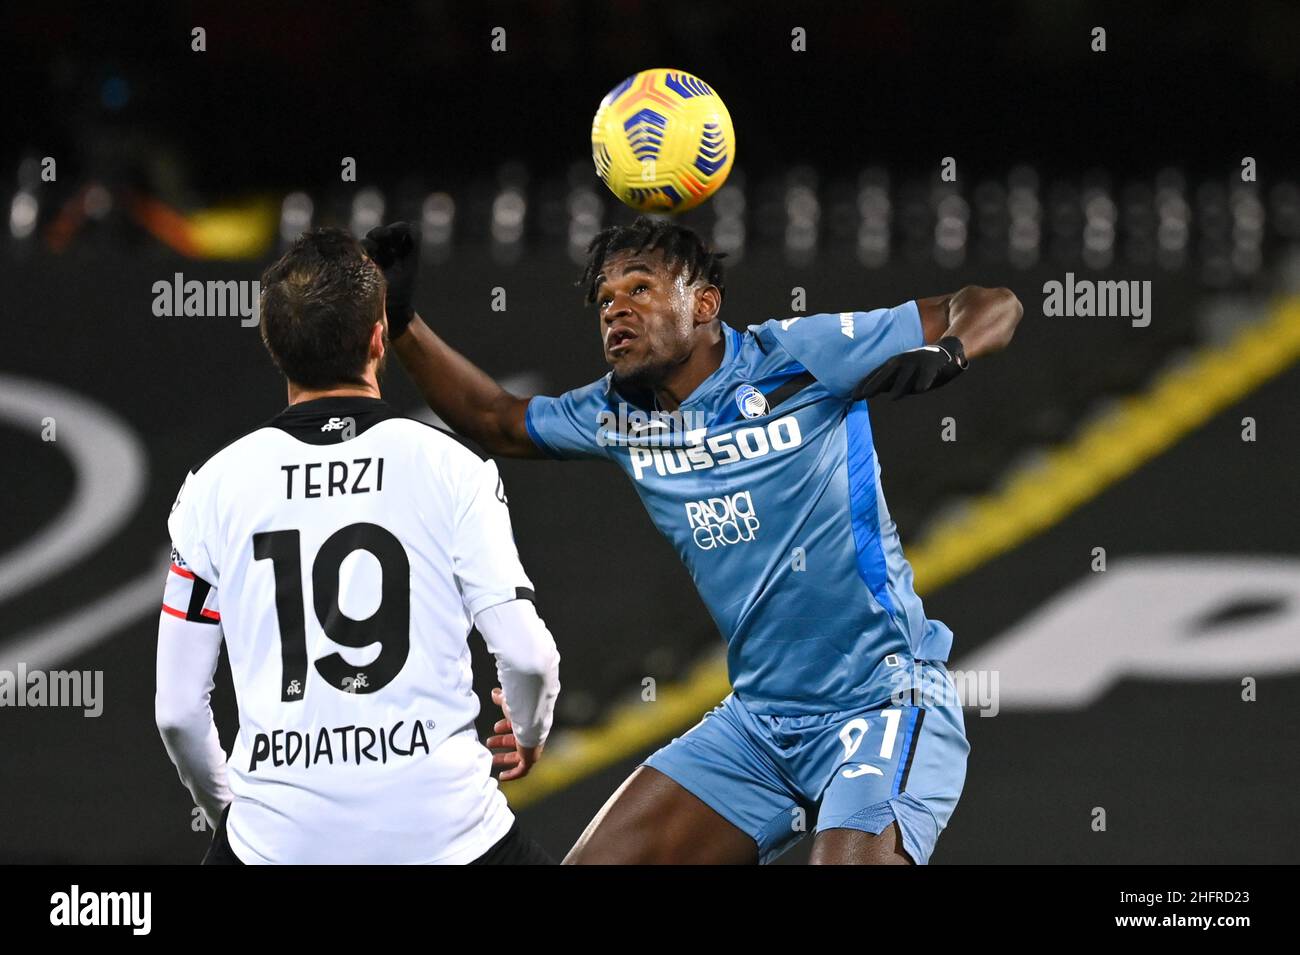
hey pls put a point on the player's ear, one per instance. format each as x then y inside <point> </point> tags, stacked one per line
<point>377,335</point>
<point>708,302</point>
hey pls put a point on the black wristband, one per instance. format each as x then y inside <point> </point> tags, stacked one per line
<point>952,345</point>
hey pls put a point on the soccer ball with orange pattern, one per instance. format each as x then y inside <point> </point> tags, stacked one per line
<point>662,141</point>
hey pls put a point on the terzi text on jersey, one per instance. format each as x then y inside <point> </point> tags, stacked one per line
<point>328,478</point>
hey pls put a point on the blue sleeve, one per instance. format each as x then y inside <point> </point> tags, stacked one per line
<point>842,348</point>
<point>569,426</point>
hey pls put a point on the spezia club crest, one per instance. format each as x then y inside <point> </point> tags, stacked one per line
<point>750,401</point>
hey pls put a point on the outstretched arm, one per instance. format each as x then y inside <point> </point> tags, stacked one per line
<point>957,328</point>
<point>461,392</point>
<point>464,395</point>
<point>983,319</point>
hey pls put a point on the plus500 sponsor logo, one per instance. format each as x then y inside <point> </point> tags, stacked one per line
<point>720,521</point>
<point>721,449</point>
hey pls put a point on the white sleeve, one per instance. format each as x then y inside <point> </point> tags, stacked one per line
<point>528,666</point>
<point>189,645</point>
<point>187,525</point>
<point>485,561</point>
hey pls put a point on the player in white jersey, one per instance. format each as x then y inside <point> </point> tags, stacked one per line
<point>343,552</point>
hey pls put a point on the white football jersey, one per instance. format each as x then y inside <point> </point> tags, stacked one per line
<point>347,551</point>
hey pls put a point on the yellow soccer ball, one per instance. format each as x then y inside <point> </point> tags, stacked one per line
<point>662,141</point>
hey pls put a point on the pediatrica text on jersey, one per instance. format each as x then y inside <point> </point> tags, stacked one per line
<point>340,744</point>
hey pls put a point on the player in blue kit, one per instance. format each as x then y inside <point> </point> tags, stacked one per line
<point>752,452</point>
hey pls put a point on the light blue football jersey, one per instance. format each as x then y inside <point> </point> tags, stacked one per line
<point>767,484</point>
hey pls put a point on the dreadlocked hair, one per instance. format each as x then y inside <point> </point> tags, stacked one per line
<point>680,246</point>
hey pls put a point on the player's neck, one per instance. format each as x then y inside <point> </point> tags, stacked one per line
<point>690,374</point>
<point>297,395</point>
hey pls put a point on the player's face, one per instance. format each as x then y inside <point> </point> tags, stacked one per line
<point>646,316</point>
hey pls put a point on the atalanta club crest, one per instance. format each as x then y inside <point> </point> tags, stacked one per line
<point>750,401</point>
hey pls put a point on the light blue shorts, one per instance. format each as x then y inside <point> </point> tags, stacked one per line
<point>777,777</point>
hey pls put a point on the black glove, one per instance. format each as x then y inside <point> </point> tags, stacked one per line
<point>915,371</point>
<point>395,248</point>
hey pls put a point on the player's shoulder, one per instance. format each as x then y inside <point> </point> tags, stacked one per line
<point>837,322</point>
<point>588,402</point>
<point>761,344</point>
<point>436,444</point>
<point>821,330</point>
<point>426,434</point>
<point>767,337</point>
<point>230,454</point>
<point>596,393</point>
<point>204,479</point>
<point>776,329</point>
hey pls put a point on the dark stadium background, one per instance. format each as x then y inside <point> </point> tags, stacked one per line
<point>139,122</point>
